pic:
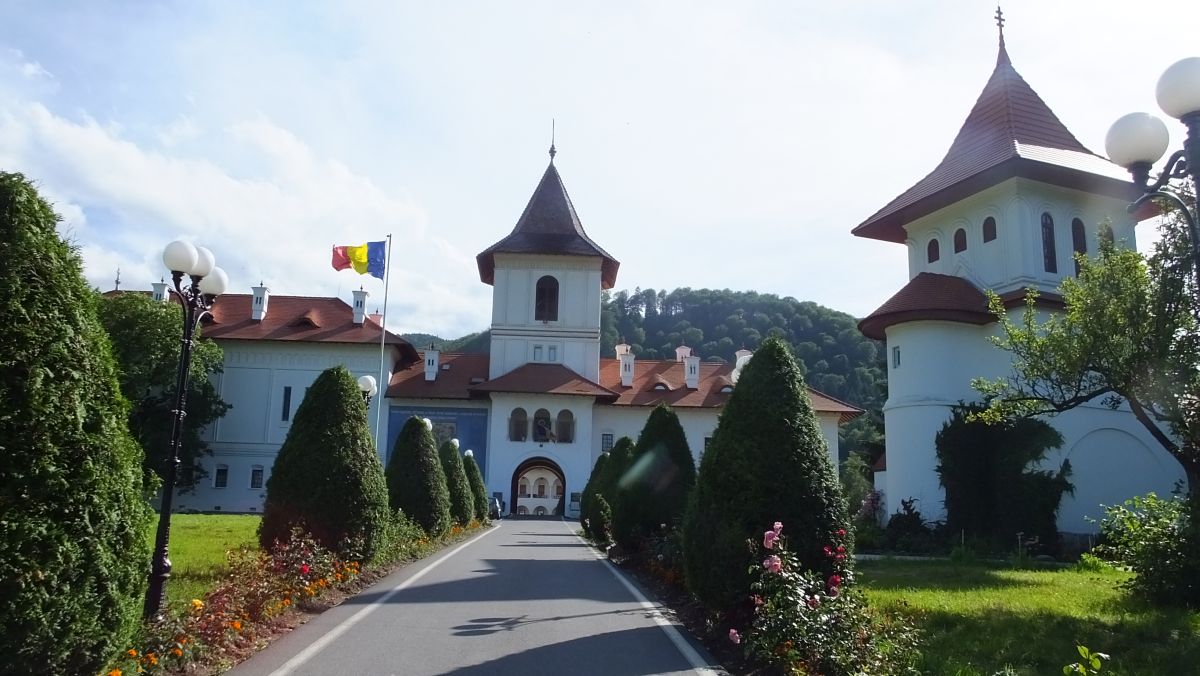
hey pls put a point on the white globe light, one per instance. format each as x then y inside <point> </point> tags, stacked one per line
<point>469,453</point>
<point>367,385</point>
<point>215,282</point>
<point>1136,137</point>
<point>179,256</point>
<point>205,261</point>
<point>1178,90</point>
<point>428,423</point>
<point>455,442</point>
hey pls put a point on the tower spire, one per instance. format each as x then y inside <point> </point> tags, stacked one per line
<point>1002,56</point>
<point>553,152</point>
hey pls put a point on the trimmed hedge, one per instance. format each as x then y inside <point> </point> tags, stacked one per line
<point>74,556</point>
<point>415,480</point>
<point>660,478</point>
<point>767,462</point>
<point>479,494</point>
<point>462,507</point>
<point>619,459</point>
<point>589,493</point>
<point>327,477</point>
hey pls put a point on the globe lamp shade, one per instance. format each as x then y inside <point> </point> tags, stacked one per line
<point>179,256</point>
<point>1178,90</point>
<point>1135,138</point>
<point>367,385</point>
<point>205,261</point>
<point>469,453</point>
<point>215,282</point>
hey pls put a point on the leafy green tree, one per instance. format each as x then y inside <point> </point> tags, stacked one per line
<point>620,457</point>
<point>462,507</point>
<point>327,478</point>
<point>767,462</point>
<point>146,336</point>
<point>992,490</point>
<point>589,493</point>
<point>479,496</point>
<point>73,517</point>
<point>415,480</point>
<point>660,477</point>
<point>855,480</point>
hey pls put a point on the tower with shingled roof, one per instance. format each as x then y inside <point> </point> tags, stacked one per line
<point>1012,201</point>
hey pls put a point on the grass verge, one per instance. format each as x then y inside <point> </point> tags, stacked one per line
<point>197,550</point>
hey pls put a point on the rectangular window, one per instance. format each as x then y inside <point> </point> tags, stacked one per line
<point>896,357</point>
<point>606,442</point>
<point>537,352</point>
<point>553,352</point>
<point>256,476</point>
<point>221,476</point>
<point>287,403</point>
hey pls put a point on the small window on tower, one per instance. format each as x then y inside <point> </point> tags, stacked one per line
<point>960,240</point>
<point>552,353</point>
<point>1078,241</point>
<point>537,352</point>
<point>933,251</point>
<point>989,229</point>
<point>896,357</point>
<point>1049,252</point>
<point>545,306</point>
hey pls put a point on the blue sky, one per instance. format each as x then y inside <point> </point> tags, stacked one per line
<point>721,145</point>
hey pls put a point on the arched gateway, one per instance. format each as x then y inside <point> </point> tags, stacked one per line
<point>538,488</point>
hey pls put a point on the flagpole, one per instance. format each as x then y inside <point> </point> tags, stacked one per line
<point>383,383</point>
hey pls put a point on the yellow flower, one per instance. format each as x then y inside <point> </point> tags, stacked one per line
<point>197,604</point>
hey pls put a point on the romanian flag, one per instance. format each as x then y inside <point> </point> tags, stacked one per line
<point>366,259</point>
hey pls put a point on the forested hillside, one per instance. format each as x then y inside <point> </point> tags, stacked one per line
<point>838,360</point>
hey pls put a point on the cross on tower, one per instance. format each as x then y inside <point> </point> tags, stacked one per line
<point>1000,19</point>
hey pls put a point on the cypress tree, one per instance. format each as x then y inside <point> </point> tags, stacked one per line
<point>74,552</point>
<point>619,459</point>
<point>415,480</point>
<point>589,493</point>
<point>327,477</point>
<point>479,494</point>
<point>660,477</point>
<point>767,462</point>
<point>462,508</point>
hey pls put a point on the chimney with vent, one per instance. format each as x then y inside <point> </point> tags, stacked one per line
<point>360,305</point>
<point>376,317</point>
<point>160,291</point>
<point>682,351</point>
<point>258,307</point>
<point>431,363</point>
<point>742,357</point>
<point>626,358</point>
<point>691,371</point>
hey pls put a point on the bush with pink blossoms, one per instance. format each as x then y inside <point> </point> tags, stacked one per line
<point>810,623</point>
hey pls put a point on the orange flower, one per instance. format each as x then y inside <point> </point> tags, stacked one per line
<point>152,659</point>
<point>114,672</point>
<point>177,652</point>
<point>236,624</point>
<point>131,652</point>
<point>287,602</point>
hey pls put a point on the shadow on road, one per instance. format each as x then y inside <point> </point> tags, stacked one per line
<point>485,626</point>
<point>631,652</point>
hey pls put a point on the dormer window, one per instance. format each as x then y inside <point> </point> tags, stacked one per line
<point>545,306</point>
<point>933,252</point>
<point>660,387</point>
<point>960,240</point>
<point>727,389</point>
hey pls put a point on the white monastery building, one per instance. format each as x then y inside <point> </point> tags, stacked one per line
<point>536,412</point>
<point>1015,196</point>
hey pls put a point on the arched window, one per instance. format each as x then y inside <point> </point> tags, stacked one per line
<point>518,425</point>
<point>1078,241</point>
<point>545,305</point>
<point>539,487</point>
<point>522,510</point>
<point>542,430</point>
<point>523,490</point>
<point>540,511</point>
<point>558,488</point>
<point>1049,253</point>
<point>564,429</point>
<point>960,240</point>
<point>933,252</point>
<point>989,229</point>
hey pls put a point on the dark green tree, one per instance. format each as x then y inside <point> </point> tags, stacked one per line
<point>767,462</point>
<point>619,459</point>
<point>415,480</point>
<point>589,493</point>
<point>479,496</point>
<point>992,488</point>
<point>327,477</point>
<point>74,552</point>
<point>660,477</point>
<point>146,336</point>
<point>462,507</point>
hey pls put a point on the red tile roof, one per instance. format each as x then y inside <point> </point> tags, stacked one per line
<point>1010,132</point>
<point>549,225</point>
<point>456,382</point>
<point>298,319</point>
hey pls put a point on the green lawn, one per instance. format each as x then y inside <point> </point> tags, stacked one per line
<point>198,546</point>
<point>981,618</point>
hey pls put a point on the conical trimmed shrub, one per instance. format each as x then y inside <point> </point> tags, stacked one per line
<point>462,508</point>
<point>767,462</point>
<point>415,480</point>
<point>589,493</point>
<point>656,486</point>
<point>327,477</point>
<point>619,459</point>
<point>479,494</point>
<point>74,553</point>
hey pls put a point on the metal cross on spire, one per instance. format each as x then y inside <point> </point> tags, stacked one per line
<point>553,152</point>
<point>1000,21</point>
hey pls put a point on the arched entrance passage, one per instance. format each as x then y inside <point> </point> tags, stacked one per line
<point>538,488</point>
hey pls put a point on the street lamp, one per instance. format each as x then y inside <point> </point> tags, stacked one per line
<point>1136,141</point>
<point>366,385</point>
<point>206,283</point>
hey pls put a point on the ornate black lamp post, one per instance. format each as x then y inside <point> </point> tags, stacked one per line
<point>366,385</point>
<point>206,283</point>
<point>1137,140</point>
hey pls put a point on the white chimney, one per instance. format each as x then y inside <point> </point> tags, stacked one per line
<point>622,347</point>
<point>682,351</point>
<point>160,290</point>
<point>626,358</point>
<point>431,363</point>
<point>258,307</point>
<point>691,371</point>
<point>360,305</point>
<point>743,357</point>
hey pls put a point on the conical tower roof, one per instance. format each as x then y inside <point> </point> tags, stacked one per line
<point>549,225</point>
<point>1010,132</point>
